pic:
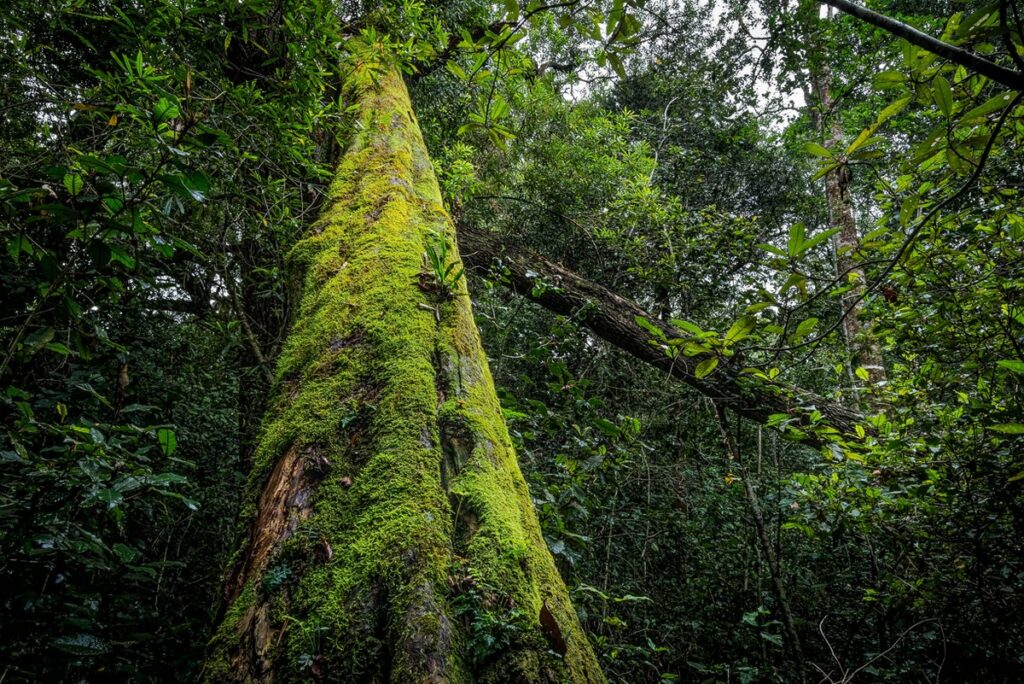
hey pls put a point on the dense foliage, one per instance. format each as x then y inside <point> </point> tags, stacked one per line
<point>158,160</point>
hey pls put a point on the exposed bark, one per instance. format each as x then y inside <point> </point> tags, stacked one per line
<point>387,517</point>
<point>613,318</point>
<point>862,344</point>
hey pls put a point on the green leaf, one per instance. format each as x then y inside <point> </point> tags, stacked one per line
<point>125,553</point>
<point>657,332</point>
<point>993,104</point>
<point>165,110</point>
<point>740,329</point>
<point>164,479</point>
<point>772,249</point>
<point>689,327</point>
<point>794,246</point>
<point>191,504</point>
<point>805,327</point>
<point>706,367</point>
<point>806,529</point>
<point>861,139</point>
<point>862,373</point>
<point>692,348</point>
<point>892,110</point>
<point>456,70</point>
<point>865,136</point>
<point>168,441</point>
<point>113,205</point>
<point>73,183</point>
<point>1012,364</point>
<point>943,95</point>
<point>111,497</point>
<point>39,338</point>
<point>889,79</point>
<point>616,64</point>
<point>1008,428</point>
<point>122,257</point>
<point>1017,314</point>
<point>18,244</point>
<point>61,349</point>
<point>818,150</point>
<point>907,209</point>
<point>824,171</point>
<point>608,427</point>
<point>818,239</point>
<point>985,14</point>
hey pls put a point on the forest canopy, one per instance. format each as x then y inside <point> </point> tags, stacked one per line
<point>511,341</point>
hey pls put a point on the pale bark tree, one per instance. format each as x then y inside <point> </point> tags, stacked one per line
<point>862,344</point>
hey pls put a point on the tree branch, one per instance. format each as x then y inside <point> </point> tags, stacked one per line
<point>613,318</point>
<point>1007,77</point>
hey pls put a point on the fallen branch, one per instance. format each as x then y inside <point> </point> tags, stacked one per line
<point>614,318</point>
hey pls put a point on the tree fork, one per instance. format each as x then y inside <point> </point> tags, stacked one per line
<point>387,517</point>
<point>613,318</point>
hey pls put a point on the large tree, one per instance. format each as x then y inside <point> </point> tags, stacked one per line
<point>158,163</point>
<point>391,534</point>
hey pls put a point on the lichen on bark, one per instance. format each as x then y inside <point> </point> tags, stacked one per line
<point>385,489</point>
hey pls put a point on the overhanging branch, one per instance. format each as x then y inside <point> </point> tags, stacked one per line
<point>613,318</point>
<point>1007,77</point>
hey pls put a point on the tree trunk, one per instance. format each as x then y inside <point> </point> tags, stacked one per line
<point>391,536</point>
<point>862,344</point>
<point>767,547</point>
<point>614,318</point>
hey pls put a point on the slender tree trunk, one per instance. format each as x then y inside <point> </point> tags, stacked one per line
<point>391,536</point>
<point>768,549</point>
<point>863,345</point>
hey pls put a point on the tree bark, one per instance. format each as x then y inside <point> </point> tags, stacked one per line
<point>613,318</point>
<point>391,535</point>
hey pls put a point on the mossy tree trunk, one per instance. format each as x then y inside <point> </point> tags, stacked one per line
<point>391,533</point>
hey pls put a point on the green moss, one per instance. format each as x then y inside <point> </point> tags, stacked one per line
<point>379,383</point>
<point>218,666</point>
<point>507,548</point>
